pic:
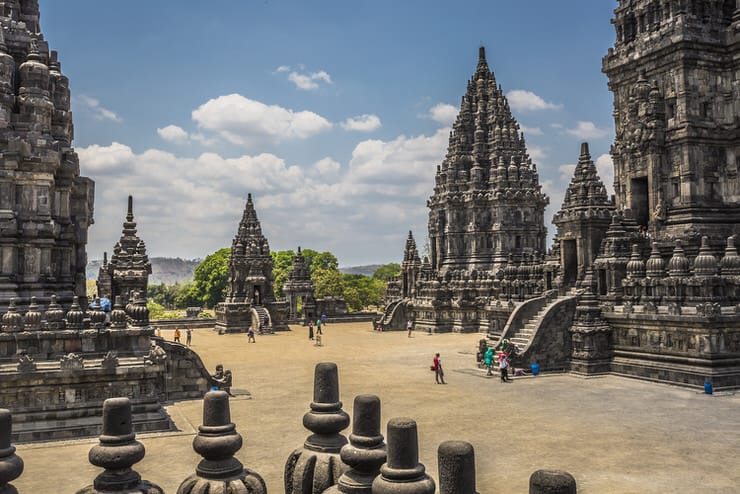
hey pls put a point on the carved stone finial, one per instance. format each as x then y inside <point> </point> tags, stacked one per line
<point>72,362</point>
<point>110,361</point>
<point>12,321</point>
<point>403,467</point>
<point>456,460</point>
<point>365,452</point>
<point>26,364</point>
<point>552,482</point>
<point>316,466</point>
<point>217,442</point>
<point>117,452</point>
<point>11,465</point>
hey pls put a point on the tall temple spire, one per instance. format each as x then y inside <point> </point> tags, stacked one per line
<point>487,200</point>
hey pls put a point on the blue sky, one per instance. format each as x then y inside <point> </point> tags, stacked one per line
<point>333,114</point>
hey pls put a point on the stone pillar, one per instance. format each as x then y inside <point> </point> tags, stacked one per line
<point>217,442</point>
<point>317,466</point>
<point>456,461</point>
<point>552,482</point>
<point>11,465</point>
<point>403,472</point>
<point>117,452</point>
<point>365,452</point>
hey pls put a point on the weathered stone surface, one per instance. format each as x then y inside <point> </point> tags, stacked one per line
<point>217,442</point>
<point>366,450</point>
<point>552,482</point>
<point>317,465</point>
<point>403,473</point>
<point>117,452</point>
<point>456,461</point>
<point>11,465</point>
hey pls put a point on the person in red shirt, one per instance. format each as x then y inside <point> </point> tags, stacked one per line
<point>439,373</point>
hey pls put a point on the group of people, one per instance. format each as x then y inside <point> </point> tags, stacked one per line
<point>320,323</point>
<point>503,360</point>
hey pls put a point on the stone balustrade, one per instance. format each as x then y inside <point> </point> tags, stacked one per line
<point>364,464</point>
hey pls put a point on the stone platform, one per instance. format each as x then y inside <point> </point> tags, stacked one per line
<point>615,435</point>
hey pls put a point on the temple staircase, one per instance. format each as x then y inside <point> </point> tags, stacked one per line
<point>538,328</point>
<point>262,314</point>
<point>393,316</point>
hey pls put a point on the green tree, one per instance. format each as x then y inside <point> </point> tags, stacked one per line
<point>328,283</point>
<point>362,291</point>
<point>387,271</point>
<point>282,262</point>
<point>320,260</point>
<point>210,278</point>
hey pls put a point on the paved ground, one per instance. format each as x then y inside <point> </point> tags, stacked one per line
<point>614,435</point>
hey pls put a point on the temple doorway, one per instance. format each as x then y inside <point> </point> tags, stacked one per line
<point>640,200</point>
<point>569,251</point>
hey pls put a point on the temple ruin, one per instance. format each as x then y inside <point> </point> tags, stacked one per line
<point>643,284</point>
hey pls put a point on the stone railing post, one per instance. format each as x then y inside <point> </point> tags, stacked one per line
<point>217,442</point>
<point>403,472</point>
<point>11,465</point>
<point>456,461</point>
<point>117,452</point>
<point>317,466</point>
<point>365,452</point>
<point>552,482</point>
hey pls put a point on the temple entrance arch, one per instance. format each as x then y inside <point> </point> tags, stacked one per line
<point>569,261</point>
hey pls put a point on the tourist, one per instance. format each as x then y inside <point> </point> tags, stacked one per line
<point>503,365</point>
<point>323,319</point>
<point>310,330</point>
<point>177,335</point>
<point>410,327</point>
<point>488,358</point>
<point>250,335</point>
<point>159,332</point>
<point>318,326</point>
<point>188,336</point>
<point>379,327</point>
<point>267,321</point>
<point>439,373</point>
<point>318,337</point>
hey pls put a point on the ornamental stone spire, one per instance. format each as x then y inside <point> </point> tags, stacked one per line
<point>487,199</point>
<point>129,268</point>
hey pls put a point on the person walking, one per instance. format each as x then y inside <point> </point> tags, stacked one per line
<point>310,330</point>
<point>488,359</point>
<point>250,335</point>
<point>410,327</point>
<point>503,365</point>
<point>323,319</point>
<point>159,332</point>
<point>188,336</point>
<point>318,327</point>
<point>177,335</point>
<point>439,373</point>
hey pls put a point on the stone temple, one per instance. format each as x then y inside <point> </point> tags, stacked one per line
<point>59,359</point>
<point>250,299</point>
<point>642,284</point>
<point>46,207</point>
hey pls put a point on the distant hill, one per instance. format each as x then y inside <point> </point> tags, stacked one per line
<point>364,270</point>
<point>165,270</point>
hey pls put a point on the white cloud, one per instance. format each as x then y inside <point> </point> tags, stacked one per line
<point>326,166</point>
<point>587,130</point>
<point>536,153</point>
<point>173,133</point>
<point>372,200</point>
<point>566,173</point>
<point>362,123</point>
<point>98,112</point>
<point>605,167</point>
<point>308,81</point>
<point>246,122</point>
<point>443,113</point>
<point>533,131</point>
<point>556,126</point>
<point>523,100</point>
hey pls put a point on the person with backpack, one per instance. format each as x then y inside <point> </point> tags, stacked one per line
<point>503,365</point>
<point>488,359</point>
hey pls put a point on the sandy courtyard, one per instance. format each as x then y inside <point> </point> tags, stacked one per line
<point>614,435</point>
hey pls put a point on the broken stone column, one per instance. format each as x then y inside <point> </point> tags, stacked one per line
<point>552,482</point>
<point>117,452</point>
<point>317,466</point>
<point>11,465</point>
<point>403,472</point>
<point>456,460</point>
<point>217,442</point>
<point>365,452</point>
